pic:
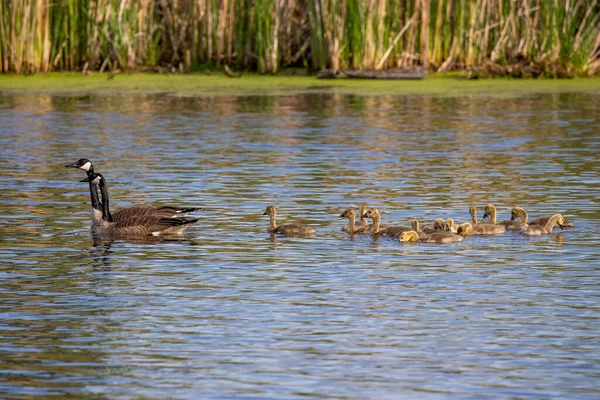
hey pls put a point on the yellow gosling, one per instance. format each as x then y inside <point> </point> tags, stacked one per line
<point>376,226</point>
<point>534,230</point>
<point>450,225</point>
<point>395,231</point>
<point>288,229</point>
<point>488,229</point>
<point>544,220</point>
<point>465,229</point>
<point>513,224</point>
<point>351,227</point>
<point>473,212</point>
<point>363,221</point>
<point>437,237</point>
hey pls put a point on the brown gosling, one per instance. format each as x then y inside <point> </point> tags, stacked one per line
<point>465,229</point>
<point>438,226</point>
<point>376,227</point>
<point>544,220</point>
<point>488,229</point>
<point>534,230</point>
<point>513,224</point>
<point>362,222</point>
<point>437,237</point>
<point>414,227</point>
<point>351,227</point>
<point>288,229</point>
<point>395,231</point>
<point>473,212</point>
<point>450,225</point>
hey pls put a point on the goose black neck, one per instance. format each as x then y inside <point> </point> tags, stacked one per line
<point>96,204</point>
<point>105,207</point>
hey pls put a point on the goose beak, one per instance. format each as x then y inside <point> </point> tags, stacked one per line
<point>72,165</point>
<point>342,215</point>
<point>512,217</point>
<point>265,213</point>
<point>364,215</point>
<point>84,180</point>
<point>561,227</point>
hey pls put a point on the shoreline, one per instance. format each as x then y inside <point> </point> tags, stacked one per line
<point>203,85</point>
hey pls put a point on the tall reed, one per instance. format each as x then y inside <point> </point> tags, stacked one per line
<point>266,35</point>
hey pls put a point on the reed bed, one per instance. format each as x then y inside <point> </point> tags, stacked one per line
<point>266,35</point>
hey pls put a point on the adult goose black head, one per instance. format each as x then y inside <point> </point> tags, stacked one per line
<point>86,165</point>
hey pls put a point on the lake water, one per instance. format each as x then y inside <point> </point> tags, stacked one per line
<point>226,311</point>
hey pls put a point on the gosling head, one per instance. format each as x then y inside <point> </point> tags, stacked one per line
<point>559,220</point>
<point>363,209</point>
<point>516,212</point>
<point>472,210</point>
<point>83,164</point>
<point>438,224</point>
<point>409,236</point>
<point>270,211</point>
<point>349,213</point>
<point>449,224</point>
<point>464,229</point>
<point>489,211</point>
<point>371,213</point>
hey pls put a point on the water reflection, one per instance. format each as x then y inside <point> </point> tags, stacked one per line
<point>227,308</point>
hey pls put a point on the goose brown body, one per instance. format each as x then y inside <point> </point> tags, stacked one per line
<point>150,224</point>
<point>128,212</point>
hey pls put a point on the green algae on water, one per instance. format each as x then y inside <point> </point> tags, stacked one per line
<point>254,84</point>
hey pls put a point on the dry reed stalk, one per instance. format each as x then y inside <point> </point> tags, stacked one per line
<point>425,9</point>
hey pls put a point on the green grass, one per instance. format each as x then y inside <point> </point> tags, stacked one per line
<point>254,84</point>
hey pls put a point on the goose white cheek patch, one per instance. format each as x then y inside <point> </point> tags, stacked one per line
<point>86,167</point>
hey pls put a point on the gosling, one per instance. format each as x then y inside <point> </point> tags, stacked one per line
<point>535,230</point>
<point>288,229</point>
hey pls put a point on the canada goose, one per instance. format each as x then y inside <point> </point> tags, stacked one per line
<point>438,226</point>
<point>362,222</point>
<point>436,237</point>
<point>128,212</point>
<point>86,165</point>
<point>150,224</point>
<point>376,227</point>
<point>288,229</point>
<point>556,219</point>
<point>518,212</point>
<point>464,229</point>
<point>414,226</point>
<point>512,224</point>
<point>395,231</point>
<point>473,212</point>
<point>486,229</point>
<point>450,225</point>
<point>544,220</point>
<point>351,227</point>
